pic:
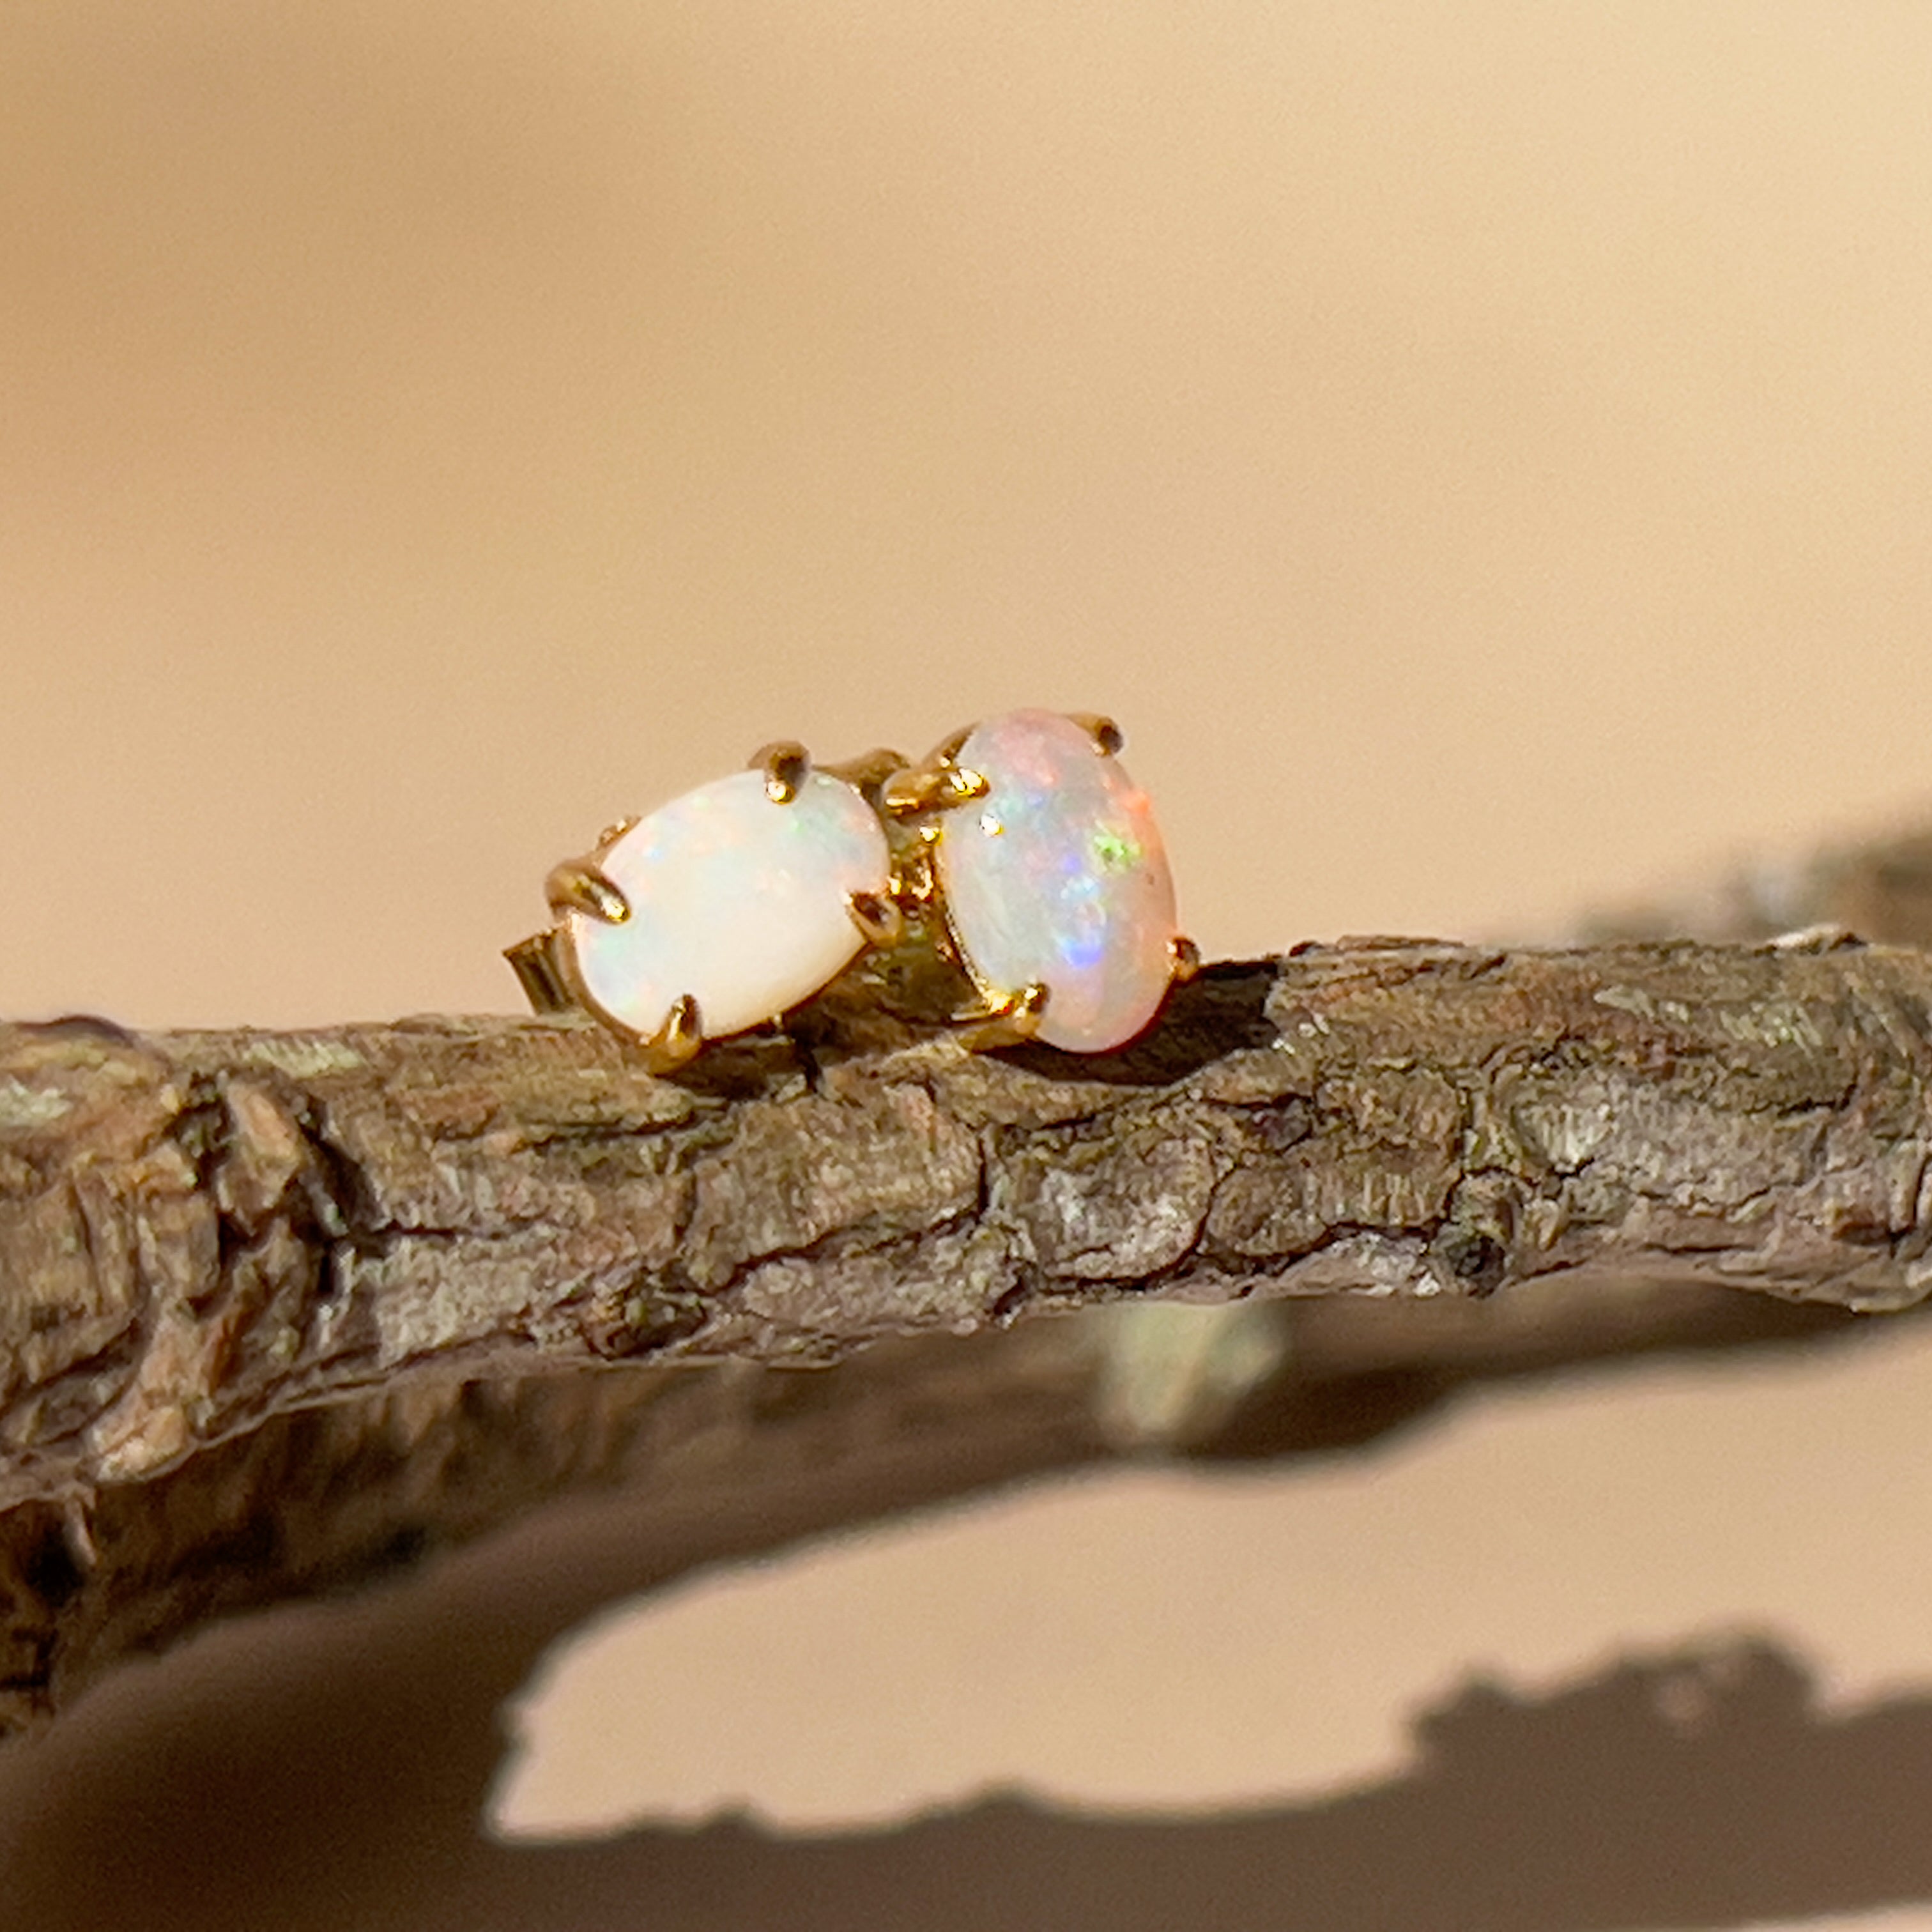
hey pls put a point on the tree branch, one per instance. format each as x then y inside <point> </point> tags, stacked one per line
<point>244,1276</point>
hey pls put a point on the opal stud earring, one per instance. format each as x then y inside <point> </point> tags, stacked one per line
<point>717,911</point>
<point>1044,860</point>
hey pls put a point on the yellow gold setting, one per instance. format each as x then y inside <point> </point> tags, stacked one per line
<point>925,798</point>
<point>1011,1021</point>
<point>877,915</point>
<point>785,765</point>
<point>910,918</point>
<point>676,1042</point>
<point>578,885</point>
<point>1109,740</point>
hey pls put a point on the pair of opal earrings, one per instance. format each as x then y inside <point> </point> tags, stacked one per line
<point>1019,844</point>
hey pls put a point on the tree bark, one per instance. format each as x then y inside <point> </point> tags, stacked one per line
<point>278,1309</point>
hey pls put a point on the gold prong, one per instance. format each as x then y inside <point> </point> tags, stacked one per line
<point>868,770</point>
<point>1107,736</point>
<point>1011,1021</point>
<point>784,764</point>
<point>1025,1009</point>
<point>534,961</point>
<point>905,792</point>
<point>877,917</point>
<point>616,830</point>
<point>915,879</point>
<point>932,788</point>
<point>938,783</point>
<point>678,1039</point>
<point>579,885</point>
<point>1185,956</point>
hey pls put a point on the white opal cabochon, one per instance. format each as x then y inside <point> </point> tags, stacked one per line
<point>1058,874</point>
<point>735,898</point>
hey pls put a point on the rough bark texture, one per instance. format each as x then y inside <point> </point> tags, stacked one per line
<point>200,1231</point>
<point>271,1305</point>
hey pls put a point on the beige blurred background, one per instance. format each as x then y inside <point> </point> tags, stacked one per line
<point>1482,452</point>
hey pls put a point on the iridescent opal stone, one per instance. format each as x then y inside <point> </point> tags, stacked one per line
<point>735,899</point>
<point>1058,874</point>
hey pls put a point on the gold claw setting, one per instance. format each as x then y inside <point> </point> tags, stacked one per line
<point>877,917</point>
<point>579,885</point>
<point>703,920</point>
<point>1109,740</point>
<point>935,786</point>
<point>786,765</point>
<point>535,963</point>
<point>1012,1022</point>
<point>676,1043</point>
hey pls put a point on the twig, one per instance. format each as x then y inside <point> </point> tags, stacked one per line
<point>243,1276</point>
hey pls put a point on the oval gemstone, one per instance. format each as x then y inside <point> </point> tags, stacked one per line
<point>736,899</point>
<point>1058,874</point>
